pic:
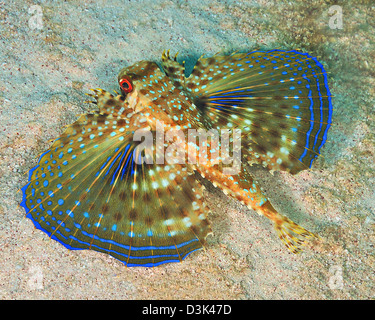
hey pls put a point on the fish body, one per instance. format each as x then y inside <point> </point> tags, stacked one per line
<point>121,180</point>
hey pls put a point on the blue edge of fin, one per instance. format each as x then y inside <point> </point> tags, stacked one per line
<point>38,226</point>
<point>329,122</point>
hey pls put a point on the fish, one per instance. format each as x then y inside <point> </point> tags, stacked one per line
<point>124,179</point>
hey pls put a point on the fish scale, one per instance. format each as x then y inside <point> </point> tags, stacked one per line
<point>89,191</point>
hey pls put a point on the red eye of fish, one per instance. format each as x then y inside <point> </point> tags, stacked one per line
<point>126,85</point>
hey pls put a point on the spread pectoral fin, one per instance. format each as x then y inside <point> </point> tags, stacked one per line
<point>90,191</point>
<point>279,99</point>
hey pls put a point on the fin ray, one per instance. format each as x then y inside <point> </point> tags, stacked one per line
<point>277,96</point>
<point>88,192</point>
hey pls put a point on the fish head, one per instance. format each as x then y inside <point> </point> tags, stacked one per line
<point>136,83</point>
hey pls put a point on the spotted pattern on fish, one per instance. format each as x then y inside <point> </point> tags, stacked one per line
<point>91,190</point>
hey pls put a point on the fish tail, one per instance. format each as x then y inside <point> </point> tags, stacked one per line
<point>290,233</point>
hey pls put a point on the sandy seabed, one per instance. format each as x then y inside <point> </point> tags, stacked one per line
<point>46,67</point>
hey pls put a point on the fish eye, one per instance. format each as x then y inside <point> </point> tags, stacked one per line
<point>126,85</point>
